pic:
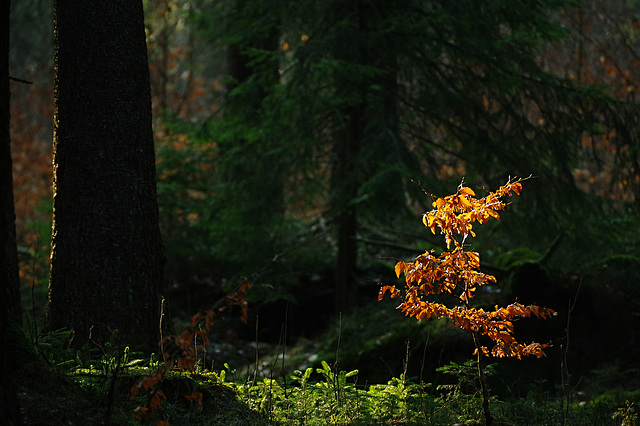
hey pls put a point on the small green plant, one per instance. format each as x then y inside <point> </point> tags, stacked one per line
<point>333,398</point>
<point>335,381</point>
<point>300,392</point>
<point>265,396</point>
<point>627,415</point>
<point>54,348</point>
<point>392,401</point>
<point>463,397</point>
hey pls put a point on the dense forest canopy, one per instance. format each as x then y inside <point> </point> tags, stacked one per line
<point>343,104</point>
<point>295,140</point>
<point>341,108</point>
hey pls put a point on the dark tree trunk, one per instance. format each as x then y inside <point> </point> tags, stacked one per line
<point>9,255</point>
<point>106,254</point>
<point>241,66</point>
<point>9,283</point>
<point>368,142</point>
<point>345,182</point>
<point>362,122</point>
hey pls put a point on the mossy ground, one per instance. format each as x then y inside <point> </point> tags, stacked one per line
<point>50,397</point>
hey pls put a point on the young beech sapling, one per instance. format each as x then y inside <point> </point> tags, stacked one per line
<point>180,353</point>
<point>455,272</point>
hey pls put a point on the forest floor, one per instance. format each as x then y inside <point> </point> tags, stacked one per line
<point>346,374</point>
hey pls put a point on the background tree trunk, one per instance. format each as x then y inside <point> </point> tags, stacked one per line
<point>367,141</point>
<point>106,254</point>
<point>345,188</point>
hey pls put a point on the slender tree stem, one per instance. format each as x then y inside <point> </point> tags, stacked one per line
<point>488,418</point>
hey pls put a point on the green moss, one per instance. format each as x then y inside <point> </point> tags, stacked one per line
<point>48,396</point>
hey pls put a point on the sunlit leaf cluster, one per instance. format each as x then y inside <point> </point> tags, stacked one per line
<point>455,214</point>
<point>456,273</point>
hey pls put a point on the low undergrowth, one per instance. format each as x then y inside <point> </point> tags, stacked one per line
<point>99,392</point>
<point>326,395</point>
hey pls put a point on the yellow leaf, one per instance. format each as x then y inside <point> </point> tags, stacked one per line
<point>467,191</point>
<point>384,289</point>
<point>517,187</point>
<point>464,201</point>
<point>400,266</point>
<point>430,221</point>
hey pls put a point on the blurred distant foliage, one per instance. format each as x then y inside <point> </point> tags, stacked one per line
<point>31,59</point>
<point>328,110</point>
<point>286,130</point>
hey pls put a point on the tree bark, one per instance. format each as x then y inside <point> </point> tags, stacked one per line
<point>106,254</point>
<point>367,132</point>
<point>345,188</point>
<point>9,282</point>
<point>9,255</point>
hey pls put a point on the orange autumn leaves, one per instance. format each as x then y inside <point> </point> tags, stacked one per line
<point>456,273</point>
<point>456,213</point>
<point>181,352</point>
